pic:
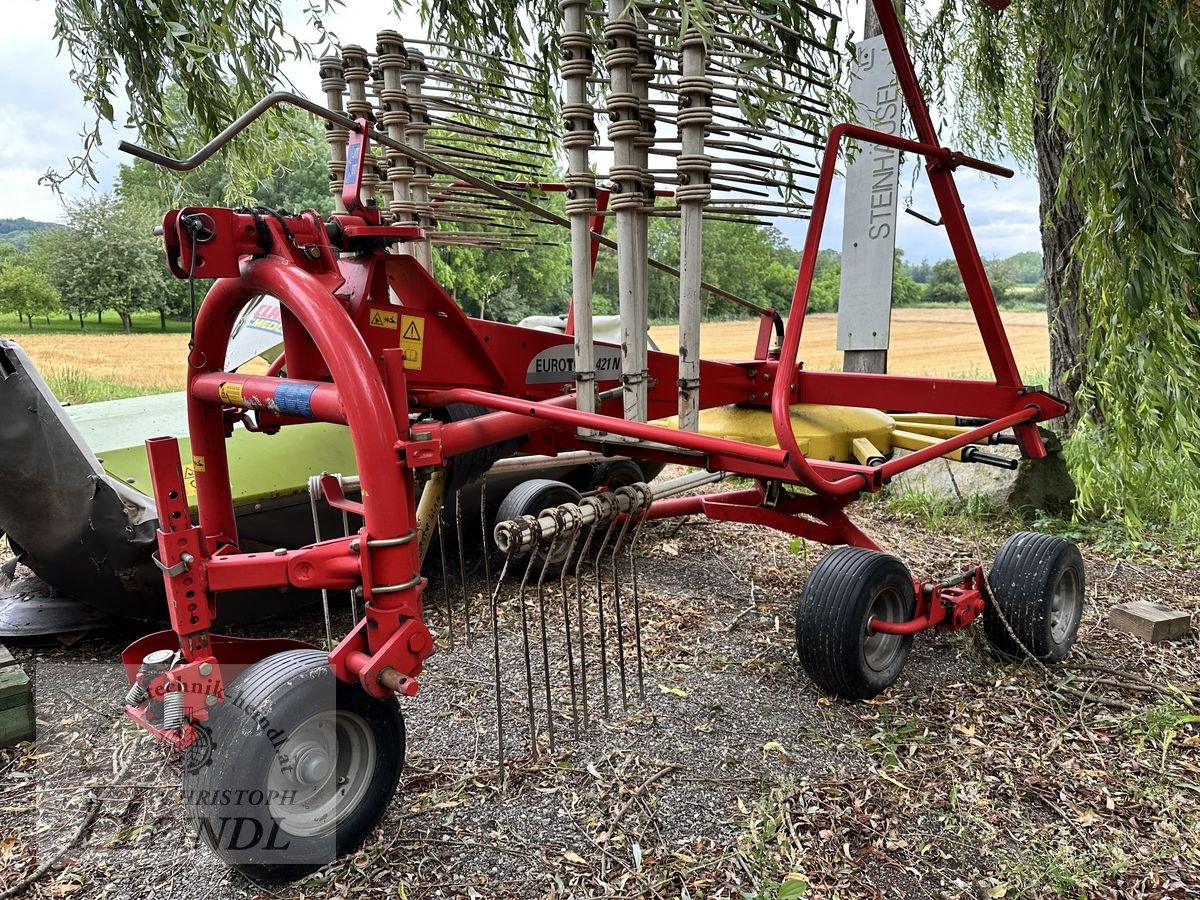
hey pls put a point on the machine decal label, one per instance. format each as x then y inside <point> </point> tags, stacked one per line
<point>412,340</point>
<point>198,463</point>
<point>382,319</point>
<point>266,317</point>
<point>556,365</point>
<point>295,399</point>
<point>231,392</point>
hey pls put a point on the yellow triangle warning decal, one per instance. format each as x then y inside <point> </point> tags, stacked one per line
<point>411,331</point>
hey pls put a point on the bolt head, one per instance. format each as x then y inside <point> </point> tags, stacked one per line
<point>210,700</point>
<point>205,669</point>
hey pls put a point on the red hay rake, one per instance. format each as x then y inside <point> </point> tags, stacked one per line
<point>373,342</point>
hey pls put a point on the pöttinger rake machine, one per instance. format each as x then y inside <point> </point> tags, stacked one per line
<point>293,752</point>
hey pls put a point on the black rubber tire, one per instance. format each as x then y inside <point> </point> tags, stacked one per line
<point>247,735</point>
<point>528,499</point>
<point>614,473</point>
<point>831,621</point>
<point>467,468</point>
<point>1028,570</point>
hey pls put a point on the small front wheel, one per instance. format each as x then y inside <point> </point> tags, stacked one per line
<point>848,589</point>
<point>294,769</point>
<point>1037,585</point>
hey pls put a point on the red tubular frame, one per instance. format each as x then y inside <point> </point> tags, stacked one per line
<point>342,322</point>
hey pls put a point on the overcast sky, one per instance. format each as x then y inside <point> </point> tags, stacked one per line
<point>42,117</point>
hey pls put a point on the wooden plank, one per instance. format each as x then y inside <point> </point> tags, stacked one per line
<point>6,658</point>
<point>1150,621</point>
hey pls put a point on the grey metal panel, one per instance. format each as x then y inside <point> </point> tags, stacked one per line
<point>869,227</point>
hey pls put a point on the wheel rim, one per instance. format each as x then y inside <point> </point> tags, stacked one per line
<point>1064,605</point>
<point>321,773</point>
<point>879,649</point>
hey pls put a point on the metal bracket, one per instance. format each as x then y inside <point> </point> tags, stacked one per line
<point>184,564</point>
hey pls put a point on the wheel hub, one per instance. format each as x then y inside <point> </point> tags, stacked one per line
<point>322,772</point>
<point>879,649</point>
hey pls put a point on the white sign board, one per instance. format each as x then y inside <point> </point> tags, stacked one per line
<point>872,187</point>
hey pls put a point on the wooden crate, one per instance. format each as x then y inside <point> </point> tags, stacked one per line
<point>16,702</point>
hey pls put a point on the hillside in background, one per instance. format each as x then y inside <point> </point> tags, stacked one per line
<point>18,231</point>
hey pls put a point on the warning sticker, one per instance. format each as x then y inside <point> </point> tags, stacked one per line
<point>381,318</point>
<point>198,463</point>
<point>412,340</point>
<point>231,392</point>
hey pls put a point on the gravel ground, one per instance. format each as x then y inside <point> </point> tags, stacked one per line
<point>734,777</point>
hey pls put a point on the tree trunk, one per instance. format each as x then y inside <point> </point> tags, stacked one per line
<point>162,319</point>
<point>81,320</point>
<point>126,321</point>
<point>1070,325</point>
<point>100,316</point>
<point>30,322</point>
<point>70,316</point>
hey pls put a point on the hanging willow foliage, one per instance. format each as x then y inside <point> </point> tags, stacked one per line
<point>1126,96</point>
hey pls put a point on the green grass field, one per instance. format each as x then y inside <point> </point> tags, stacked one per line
<point>143,323</point>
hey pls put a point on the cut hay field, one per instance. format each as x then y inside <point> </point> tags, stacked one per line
<point>924,342</point>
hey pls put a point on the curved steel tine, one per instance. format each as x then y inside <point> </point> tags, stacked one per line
<point>547,562</point>
<point>495,604</point>
<point>583,677</point>
<point>445,579</point>
<point>573,511</point>
<point>462,564</point>
<point>600,616</point>
<point>312,501</point>
<point>525,648</point>
<point>616,579</point>
<point>487,538</point>
<point>637,598</point>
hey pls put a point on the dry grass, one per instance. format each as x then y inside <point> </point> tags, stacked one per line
<point>153,362</point>
<point>924,342</point>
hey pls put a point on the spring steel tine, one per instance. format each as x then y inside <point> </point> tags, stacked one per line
<point>487,538</point>
<point>541,599</point>
<point>455,101</point>
<point>561,514</point>
<point>495,603</point>
<point>459,109</point>
<point>312,501</point>
<point>462,563</point>
<point>445,580</point>
<point>533,742</point>
<point>458,78</point>
<point>346,533</point>
<point>516,76</point>
<point>637,606</point>
<point>616,577</point>
<point>463,130</point>
<point>600,616</point>
<point>583,681</point>
<point>457,49</point>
